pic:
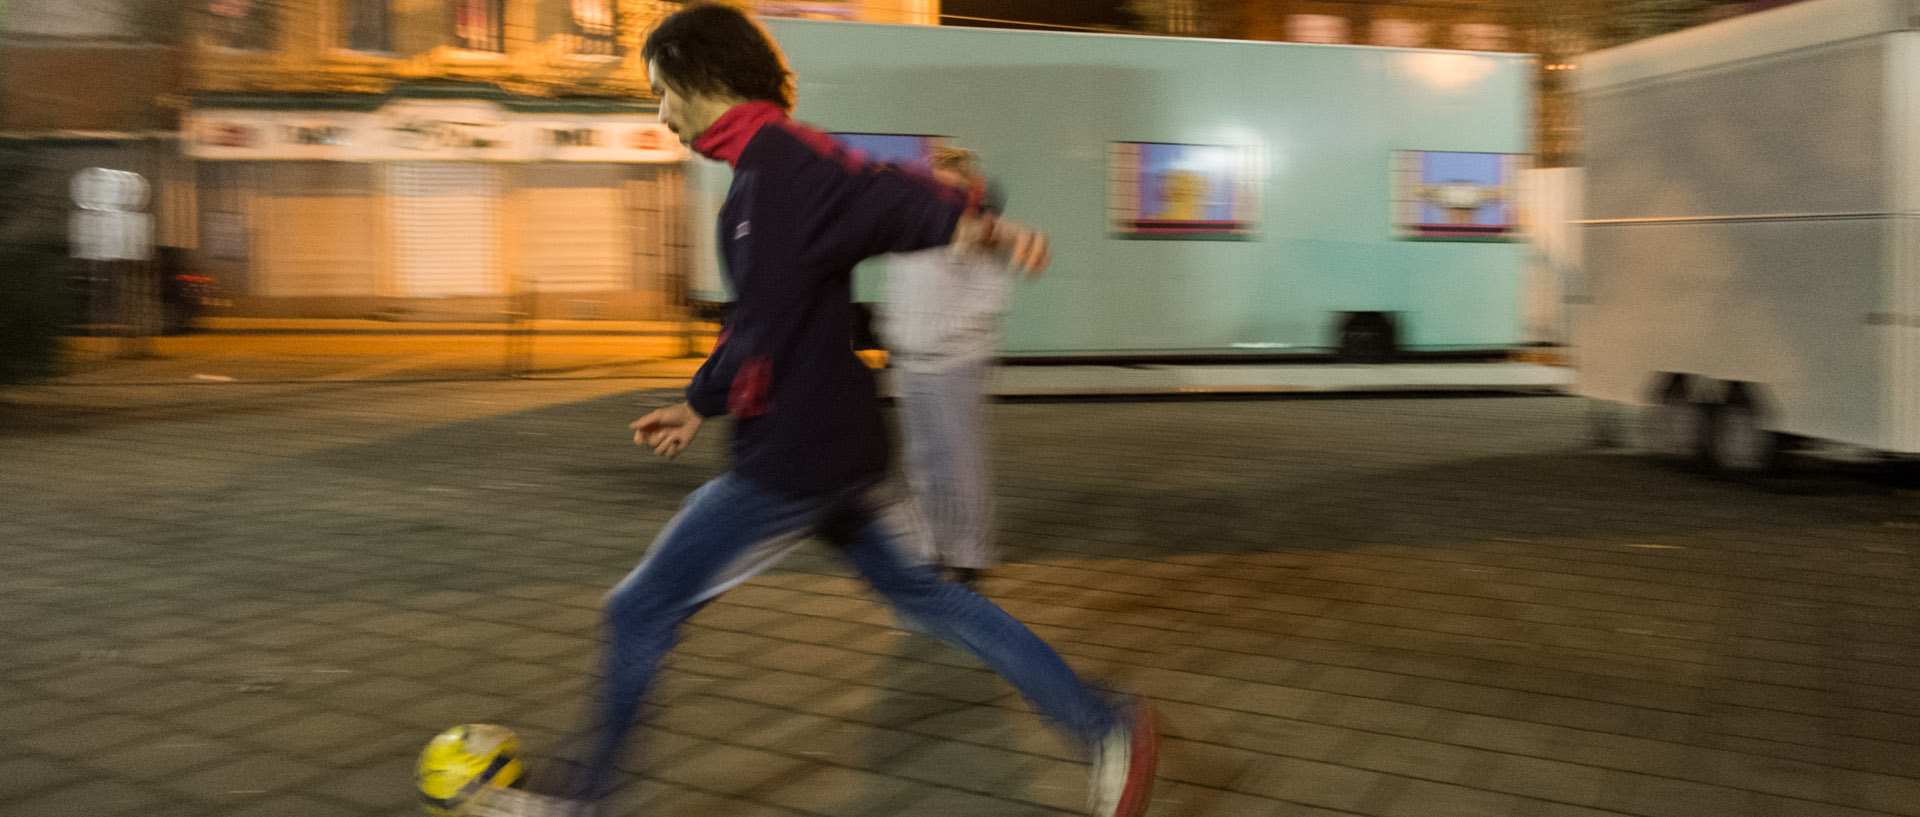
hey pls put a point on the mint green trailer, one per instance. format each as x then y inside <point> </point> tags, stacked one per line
<point>1321,130</point>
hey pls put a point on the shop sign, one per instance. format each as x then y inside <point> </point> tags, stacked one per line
<point>416,130</point>
<point>108,223</point>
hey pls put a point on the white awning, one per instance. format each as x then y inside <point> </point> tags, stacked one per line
<point>428,130</point>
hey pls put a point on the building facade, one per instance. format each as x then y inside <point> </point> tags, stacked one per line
<point>433,159</point>
<point>90,83</point>
<point>444,158</point>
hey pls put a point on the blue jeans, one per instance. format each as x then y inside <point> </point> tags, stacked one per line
<point>731,529</point>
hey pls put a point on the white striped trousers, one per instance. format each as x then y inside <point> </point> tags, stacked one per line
<point>945,419</point>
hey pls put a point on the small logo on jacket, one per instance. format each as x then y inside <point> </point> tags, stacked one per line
<point>740,231</point>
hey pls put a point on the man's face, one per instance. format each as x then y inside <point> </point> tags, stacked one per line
<point>686,116</point>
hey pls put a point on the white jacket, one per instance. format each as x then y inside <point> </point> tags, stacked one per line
<point>943,308</point>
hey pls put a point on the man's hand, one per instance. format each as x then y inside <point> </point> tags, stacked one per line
<point>667,431</point>
<point>1026,248</point>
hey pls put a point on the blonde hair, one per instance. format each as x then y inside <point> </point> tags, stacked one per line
<point>958,160</point>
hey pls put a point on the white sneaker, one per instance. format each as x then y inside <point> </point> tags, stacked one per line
<point>1123,764</point>
<point>501,802</point>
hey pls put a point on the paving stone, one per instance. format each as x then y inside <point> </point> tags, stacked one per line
<point>84,738</point>
<point>21,776</point>
<point>1469,698</point>
<point>1057,783</point>
<point>1389,717</point>
<point>1322,785</point>
<point>426,663</point>
<point>317,733</point>
<point>538,647</point>
<point>1564,810</point>
<point>358,649</point>
<point>166,696</point>
<point>1176,800</point>
<point>95,798</point>
<point>44,713</point>
<point>1663,797</point>
<point>1546,779</point>
<point>980,769</point>
<point>240,713</point>
<point>294,806</point>
<point>781,689</point>
<point>376,695</point>
<point>953,803</point>
<point>1409,757</point>
<point>244,778</point>
<point>1278,736</point>
<point>1268,699</point>
<point>403,554</point>
<point>840,791</point>
<point>1764,805</point>
<point>437,712</point>
<point>681,802</point>
<point>380,788</point>
<point>1205,764</point>
<point>1421,798</point>
<point>165,755</point>
<point>1894,795</point>
<point>729,770</point>
<point>400,747</point>
<point>98,682</point>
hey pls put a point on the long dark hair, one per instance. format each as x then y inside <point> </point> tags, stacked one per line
<point>710,48</point>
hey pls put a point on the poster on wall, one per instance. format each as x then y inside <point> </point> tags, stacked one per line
<point>906,150</point>
<point>1442,195</point>
<point>1164,190</point>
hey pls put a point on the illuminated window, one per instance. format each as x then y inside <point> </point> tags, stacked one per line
<point>1181,19</point>
<point>1330,29</point>
<point>246,25</point>
<point>1480,37</point>
<point>366,25</point>
<point>479,25</point>
<point>1399,33</point>
<point>595,28</point>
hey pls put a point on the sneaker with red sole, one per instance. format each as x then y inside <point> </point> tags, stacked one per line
<point>1123,764</point>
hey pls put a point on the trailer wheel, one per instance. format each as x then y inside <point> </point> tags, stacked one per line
<point>1676,427</point>
<point>1737,443</point>
<point>1367,337</point>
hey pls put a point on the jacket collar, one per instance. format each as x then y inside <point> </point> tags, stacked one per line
<point>728,136</point>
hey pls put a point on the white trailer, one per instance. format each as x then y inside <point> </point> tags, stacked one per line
<point>1751,230</point>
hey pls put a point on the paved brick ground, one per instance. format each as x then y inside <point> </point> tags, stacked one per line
<point>240,600</point>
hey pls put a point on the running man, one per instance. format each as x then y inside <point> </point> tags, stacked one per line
<point>810,445</point>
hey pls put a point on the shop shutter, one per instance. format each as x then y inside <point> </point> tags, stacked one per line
<point>446,228</point>
<point>660,240</point>
<point>317,224</point>
<point>576,231</point>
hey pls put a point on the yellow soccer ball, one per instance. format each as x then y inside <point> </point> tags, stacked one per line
<point>463,765</point>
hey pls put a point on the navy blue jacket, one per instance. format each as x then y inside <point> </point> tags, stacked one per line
<point>801,213</point>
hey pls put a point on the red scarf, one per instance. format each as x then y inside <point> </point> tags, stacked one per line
<point>727,136</point>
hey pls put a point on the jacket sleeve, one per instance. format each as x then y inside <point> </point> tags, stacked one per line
<point>881,209</point>
<point>812,214</point>
<point>707,393</point>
